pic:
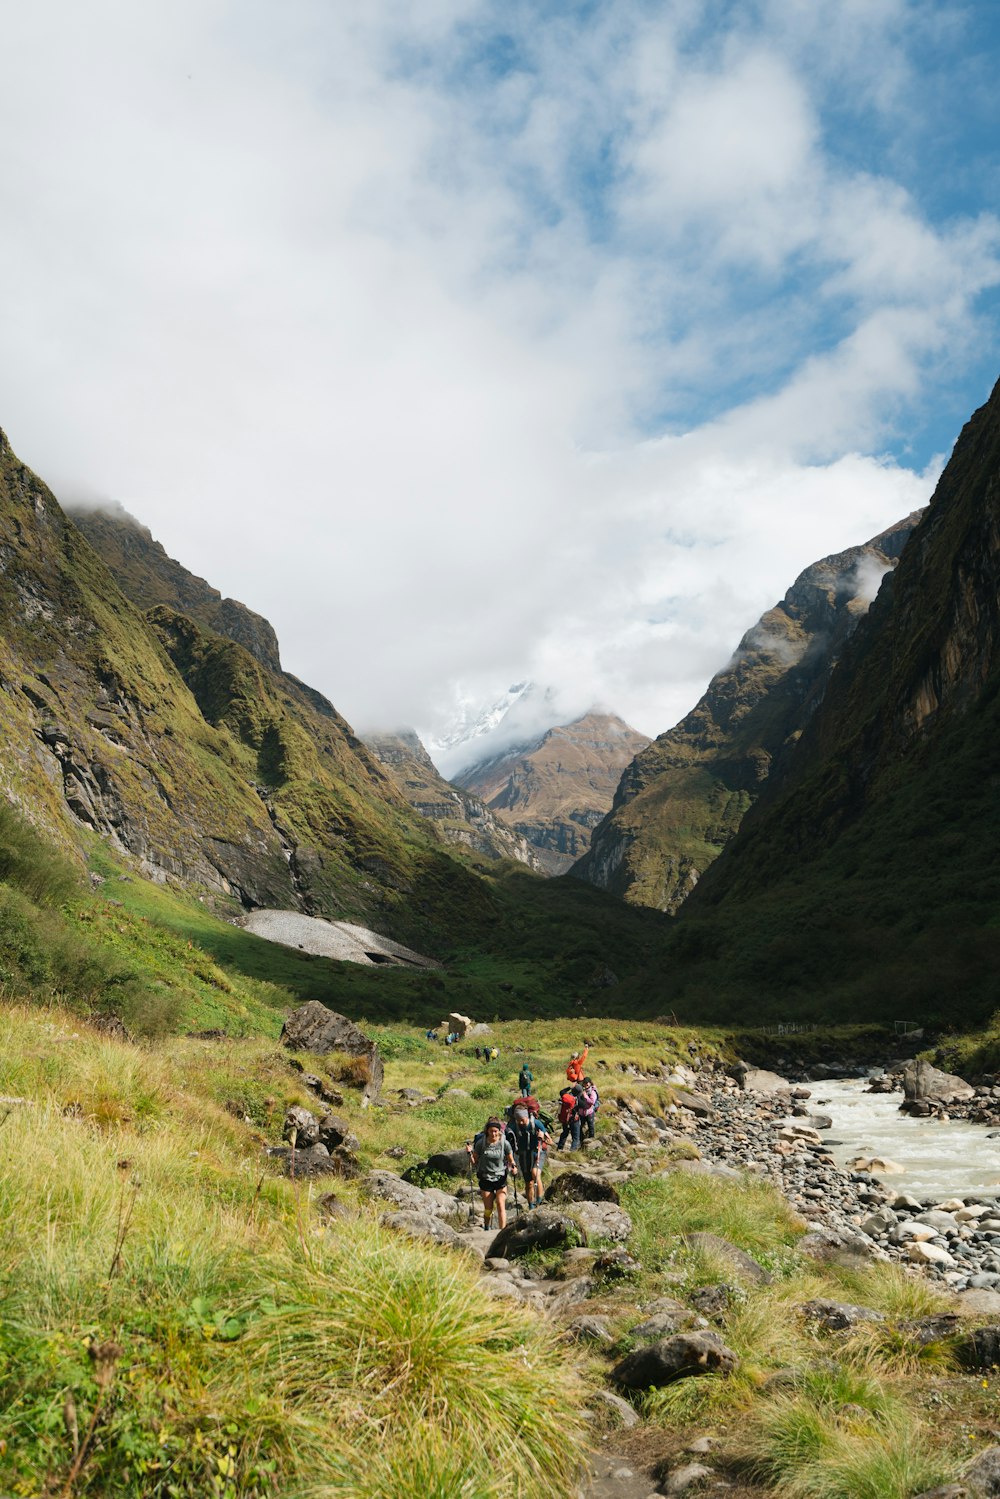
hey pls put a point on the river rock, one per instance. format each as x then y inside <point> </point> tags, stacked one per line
<point>835,1316</point>
<point>312,1027</point>
<point>911,1231</point>
<point>929,1254</point>
<point>541,1229</point>
<point>757,1080</point>
<point>735,1258</point>
<point>578,1186</point>
<point>922,1081</point>
<point>681,1357</point>
<point>694,1103</point>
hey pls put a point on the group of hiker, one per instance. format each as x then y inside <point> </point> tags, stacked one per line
<point>520,1143</point>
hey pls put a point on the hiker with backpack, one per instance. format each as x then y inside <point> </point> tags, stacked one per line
<point>589,1102</point>
<point>577,1061</point>
<point>531,1141</point>
<point>569,1117</point>
<point>525,1079</point>
<point>493,1161</point>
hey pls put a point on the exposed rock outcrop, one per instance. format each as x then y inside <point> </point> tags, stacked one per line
<point>312,1027</point>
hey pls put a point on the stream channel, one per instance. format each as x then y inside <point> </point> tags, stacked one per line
<point>941,1158</point>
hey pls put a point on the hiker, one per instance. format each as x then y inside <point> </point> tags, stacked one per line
<point>494,1053</point>
<point>493,1161</point>
<point>531,1141</point>
<point>576,1065</point>
<point>589,1101</point>
<point>525,1079</point>
<point>569,1117</point>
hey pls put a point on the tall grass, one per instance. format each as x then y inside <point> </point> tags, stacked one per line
<point>258,1351</point>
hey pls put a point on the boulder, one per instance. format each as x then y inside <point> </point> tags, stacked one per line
<point>979,1302</point>
<point>312,1027</point>
<point>921,1080</point>
<point>388,1187</point>
<point>422,1225</point>
<point>458,1025</point>
<point>982,1476</point>
<point>980,1349</point>
<point>664,1323</point>
<point>335,1131</point>
<point>541,1229</point>
<point>836,1316</point>
<point>714,1301</point>
<point>687,1477</point>
<point>627,1414</point>
<point>735,1258</point>
<point>923,1331</point>
<point>301,1128</point>
<point>603,1220</point>
<point>576,1186</point>
<point>590,1330</point>
<point>757,1080</point>
<point>315,1160</point>
<point>876,1165</point>
<point>929,1254</point>
<point>694,1102</point>
<point>445,1163</point>
<point>683,1356</point>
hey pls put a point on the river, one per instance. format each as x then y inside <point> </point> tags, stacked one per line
<point>941,1158</point>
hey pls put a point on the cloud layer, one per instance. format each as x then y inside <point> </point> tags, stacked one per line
<point>474,342</point>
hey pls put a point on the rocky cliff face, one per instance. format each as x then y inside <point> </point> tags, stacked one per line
<point>556,789</point>
<point>200,760</point>
<point>147,576</point>
<point>459,817</point>
<point>865,881</point>
<point>684,796</point>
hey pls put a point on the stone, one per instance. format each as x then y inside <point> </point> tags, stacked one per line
<point>687,1477</point>
<point>835,1316</point>
<point>458,1025</point>
<point>714,1301</point>
<point>904,1204</point>
<point>444,1163</point>
<point>683,1356</point>
<point>578,1186</point>
<point>330,1208</point>
<point>735,1258</point>
<point>703,1445</point>
<point>927,1330</point>
<point>541,1229</point>
<point>627,1414</point>
<point>877,1165</point>
<point>315,1160</point>
<point>694,1102</point>
<point>941,1223</point>
<point>929,1254</point>
<point>590,1330</point>
<point>314,1028</point>
<point>980,1349</point>
<point>664,1324</point>
<point>910,1229</point>
<point>388,1187</point>
<point>757,1080</point>
<point>422,1225</point>
<point>921,1080</point>
<point>978,1303</point>
<point>982,1476</point>
<point>301,1127</point>
<point>334,1131</point>
<point>616,1264</point>
<point>602,1220</point>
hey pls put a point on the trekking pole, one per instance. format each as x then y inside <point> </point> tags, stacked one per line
<point>517,1205</point>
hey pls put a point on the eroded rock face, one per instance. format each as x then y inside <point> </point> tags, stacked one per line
<point>683,1356</point>
<point>312,1027</point>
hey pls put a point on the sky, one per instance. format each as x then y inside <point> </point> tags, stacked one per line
<point>480,343</point>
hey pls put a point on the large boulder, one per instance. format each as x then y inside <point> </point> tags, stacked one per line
<point>695,1103</point>
<point>541,1229</point>
<point>921,1080</point>
<point>420,1225</point>
<point>312,1027</point>
<point>445,1163</point>
<point>576,1186</point>
<point>388,1187</point>
<point>301,1128</point>
<point>758,1080</point>
<point>680,1357</point>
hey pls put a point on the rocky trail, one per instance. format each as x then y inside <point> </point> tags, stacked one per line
<point>569,1256</point>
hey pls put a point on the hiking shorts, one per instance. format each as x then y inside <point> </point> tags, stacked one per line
<point>492,1186</point>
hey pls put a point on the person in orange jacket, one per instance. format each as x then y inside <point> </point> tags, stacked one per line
<point>577,1063</point>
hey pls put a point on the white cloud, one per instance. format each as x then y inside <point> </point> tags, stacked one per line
<point>374,337</point>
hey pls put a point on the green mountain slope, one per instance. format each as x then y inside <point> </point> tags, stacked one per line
<point>683,797</point>
<point>866,883</point>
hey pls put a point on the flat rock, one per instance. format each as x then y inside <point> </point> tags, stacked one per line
<point>978,1303</point>
<point>758,1080</point>
<point>683,1356</point>
<point>420,1225</point>
<point>603,1220</point>
<point>695,1103</point>
<point>735,1258</point>
<point>627,1414</point>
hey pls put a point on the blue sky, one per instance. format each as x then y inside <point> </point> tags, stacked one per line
<point>476,343</point>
